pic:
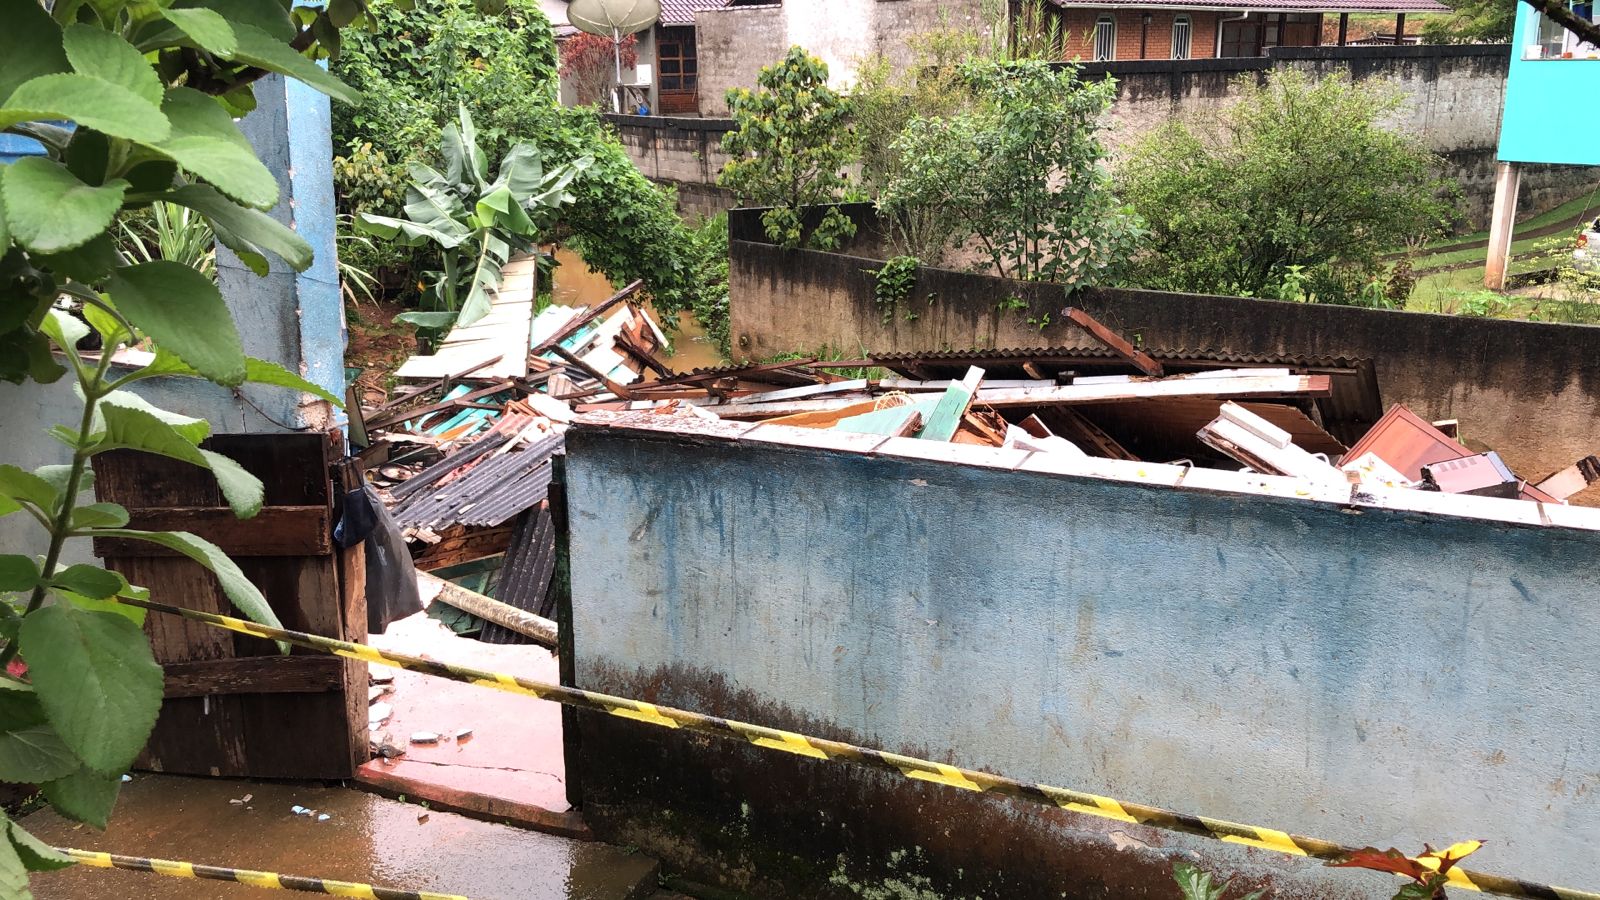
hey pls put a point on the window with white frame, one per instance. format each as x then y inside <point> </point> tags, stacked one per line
<point>1182,35</point>
<point>1105,38</point>
<point>1549,40</point>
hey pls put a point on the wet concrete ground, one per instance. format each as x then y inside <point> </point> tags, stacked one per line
<point>366,838</point>
<point>510,769</point>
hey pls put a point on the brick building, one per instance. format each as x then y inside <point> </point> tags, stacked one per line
<point>1186,29</point>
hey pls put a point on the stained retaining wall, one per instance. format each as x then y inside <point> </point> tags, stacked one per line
<point>1362,675</point>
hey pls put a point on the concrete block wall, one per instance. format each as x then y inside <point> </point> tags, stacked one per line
<point>1361,674</point>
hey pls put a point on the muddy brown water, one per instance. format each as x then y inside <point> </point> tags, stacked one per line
<point>576,283</point>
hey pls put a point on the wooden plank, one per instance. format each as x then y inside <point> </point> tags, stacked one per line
<point>946,417</point>
<point>1072,426</point>
<point>576,324</point>
<point>810,390</point>
<point>253,675</point>
<point>397,418</point>
<point>1177,386</point>
<point>890,421</point>
<point>541,630</point>
<point>274,531</point>
<point>1113,341</point>
<point>594,373</point>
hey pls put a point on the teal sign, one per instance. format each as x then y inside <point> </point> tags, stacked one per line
<point>1552,92</point>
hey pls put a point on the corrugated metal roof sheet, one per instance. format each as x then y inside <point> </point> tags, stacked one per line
<point>488,493</point>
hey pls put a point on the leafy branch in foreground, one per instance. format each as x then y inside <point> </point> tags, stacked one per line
<point>150,90</point>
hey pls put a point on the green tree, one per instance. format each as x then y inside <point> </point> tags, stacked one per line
<point>475,223</point>
<point>418,65</point>
<point>1023,172</point>
<point>790,150</point>
<point>1297,176</point>
<point>152,91</point>
<point>1472,22</point>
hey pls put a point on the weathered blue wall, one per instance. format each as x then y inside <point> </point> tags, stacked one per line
<point>1372,676</point>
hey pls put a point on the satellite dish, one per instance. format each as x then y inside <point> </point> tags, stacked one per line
<point>613,18</point>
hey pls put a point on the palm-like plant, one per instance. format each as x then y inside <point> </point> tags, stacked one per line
<point>173,233</point>
<point>478,224</point>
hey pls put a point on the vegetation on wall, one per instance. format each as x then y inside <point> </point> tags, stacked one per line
<point>1022,171</point>
<point>1298,173</point>
<point>152,92</point>
<point>790,149</point>
<point>1472,22</point>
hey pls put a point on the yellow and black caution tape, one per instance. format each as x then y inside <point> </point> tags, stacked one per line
<point>908,766</point>
<point>252,878</point>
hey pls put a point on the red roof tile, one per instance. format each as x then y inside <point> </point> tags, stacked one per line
<point>681,12</point>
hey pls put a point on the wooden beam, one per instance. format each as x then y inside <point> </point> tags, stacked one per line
<point>460,545</point>
<point>1114,342</point>
<point>577,322</point>
<point>253,675</point>
<point>274,531</point>
<point>444,382</point>
<point>540,629</point>
<point>594,373</point>
<point>392,420</point>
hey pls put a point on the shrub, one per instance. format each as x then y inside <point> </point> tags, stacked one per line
<point>790,150</point>
<point>1297,173</point>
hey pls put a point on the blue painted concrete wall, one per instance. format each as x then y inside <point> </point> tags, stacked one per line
<point>1376,677</point>
<point>1550,104</point>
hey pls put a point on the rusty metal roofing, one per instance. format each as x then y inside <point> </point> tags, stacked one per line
<point>489,493</point>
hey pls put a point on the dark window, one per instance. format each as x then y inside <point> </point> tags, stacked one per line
<point>675,56</point>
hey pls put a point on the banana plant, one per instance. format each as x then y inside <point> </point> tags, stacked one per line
<point>478,224</point>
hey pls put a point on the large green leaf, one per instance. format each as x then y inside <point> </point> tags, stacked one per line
<point>84,795</point>
<point>136,429</point>
<point>30,750</point>
<point>36,855</point>
<point>257,48</point>
<point>97,52</point>
<point>99,515</point>
<point>272,18</point>
<point>58,474</point>
<point>244,230</point>
<point>183,312</point>
<point>209,31</point>
<point>13,874</point>
<point>256,371</point>
<point>192,429</point>
<point>88,263</point>
<point>30,44</point>
<point>205,141</point>
<point>407,233</point>
<point>90,102</point>
<point>435,320</point>
<point>95,677</point>
<point>90,581</point>
<point>18,573</point>
<point>20,485</point>
<point>235,585</point>
<point>49,210</point>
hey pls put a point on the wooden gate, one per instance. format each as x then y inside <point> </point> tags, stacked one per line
<point>234,705</point>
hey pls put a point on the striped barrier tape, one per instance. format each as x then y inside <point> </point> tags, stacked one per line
<point>908,766</point>
<point>246,876</point>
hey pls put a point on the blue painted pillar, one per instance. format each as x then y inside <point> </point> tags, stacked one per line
<point>295,319</point>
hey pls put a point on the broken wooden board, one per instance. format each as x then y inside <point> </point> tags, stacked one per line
<point>891,421</point>
<point>942,423</point>
<point>505,331</point>
<point>1114,342</point>
<point>1264,447</point>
